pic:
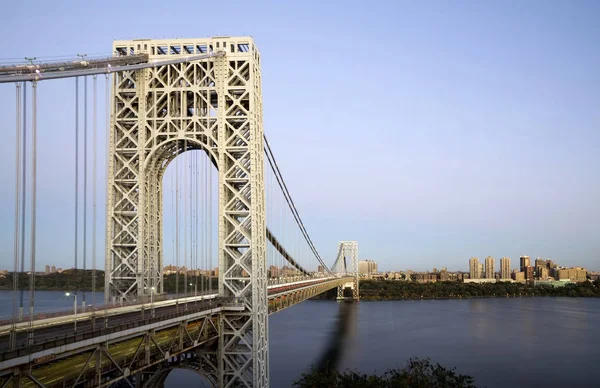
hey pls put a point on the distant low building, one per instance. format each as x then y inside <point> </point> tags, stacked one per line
<point>575,274</point>
<point>518,276</point>
<point>425,277</point>
<point>485,280</point>
<point>553,283</point>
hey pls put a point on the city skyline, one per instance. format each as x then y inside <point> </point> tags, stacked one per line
<point>497,265</point>
<point>457,93</point>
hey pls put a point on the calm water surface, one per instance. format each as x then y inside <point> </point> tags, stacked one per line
<point>517,342</point>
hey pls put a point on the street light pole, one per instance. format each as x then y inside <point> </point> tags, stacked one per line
<point>151,302</point>
<point>74,309</point>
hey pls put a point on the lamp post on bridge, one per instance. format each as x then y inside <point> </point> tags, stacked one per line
<point>195,292</point>
<point>68,294</point>
<point>151,301</point>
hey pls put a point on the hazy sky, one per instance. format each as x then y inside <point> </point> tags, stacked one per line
<point>428,131</point>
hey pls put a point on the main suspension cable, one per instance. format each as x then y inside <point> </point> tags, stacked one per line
<point>290,202</point>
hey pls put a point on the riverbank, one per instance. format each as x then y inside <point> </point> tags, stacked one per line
<point>403,290</point>
<point>82,280</point>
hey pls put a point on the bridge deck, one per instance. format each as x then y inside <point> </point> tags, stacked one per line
<point>60,353</point>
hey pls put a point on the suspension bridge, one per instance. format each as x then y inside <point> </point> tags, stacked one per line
<point>175,111</point>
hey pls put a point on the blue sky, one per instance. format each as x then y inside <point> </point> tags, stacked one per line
<point>428,131</point>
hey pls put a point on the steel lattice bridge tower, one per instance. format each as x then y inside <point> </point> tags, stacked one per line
<point>159,113</point>
<point>169,97</point>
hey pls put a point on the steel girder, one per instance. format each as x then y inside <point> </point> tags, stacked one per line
<point>158,113</point>
<point>124,359</point>
<point>287,299</point>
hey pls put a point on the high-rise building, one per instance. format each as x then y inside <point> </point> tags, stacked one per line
<point>473,268</point>
<point>505,268</point>
<point>320,269</point>
<point>540,264</point>
<point>366,267</point>
<point>480,271</point>
<point>47,268</point>
<point>529,273</point>
<point>489,267</point>
<point>525,262</point>
<point>53,269</point>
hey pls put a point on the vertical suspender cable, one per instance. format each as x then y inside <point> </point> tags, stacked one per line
<point>23,192</point>
<point>191,217</point>
<point>177,227</point>
<point>187,219</point>
<point>207,162</point>
<point>33,207</point>
<point>94,188</point>
<point>208,226</point>
<point>203,215</point>
<point>15,274</point>
<point>108,253</point>
<point>174,211</point>
<point>185,216</point>
<point>76,168</point>
<point>85,147</point>
<point>196,220</point>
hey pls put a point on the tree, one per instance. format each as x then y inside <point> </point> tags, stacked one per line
<point>418,373</point>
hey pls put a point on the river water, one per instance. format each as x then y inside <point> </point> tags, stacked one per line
<point>516,342</point>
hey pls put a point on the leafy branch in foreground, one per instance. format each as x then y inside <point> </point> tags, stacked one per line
<point>418,373</point>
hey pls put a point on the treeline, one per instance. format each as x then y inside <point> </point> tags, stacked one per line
<point>395,290</point>
<point>200,283</point>
<point>418,373</point>
<point>68,280</point>
<point>81,280</point>
<point>378,290</point>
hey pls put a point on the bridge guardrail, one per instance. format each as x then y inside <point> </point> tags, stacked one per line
<point>76,337</point>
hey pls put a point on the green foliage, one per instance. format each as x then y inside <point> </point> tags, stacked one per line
<point>382,290</point>
<point>81,280</point>
<point>398,290</point>
<point>418,373</point>
<point>68,280</point>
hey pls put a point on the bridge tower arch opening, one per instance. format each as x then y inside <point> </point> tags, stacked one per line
<point>347,263</point>
<point>188,182</point>
<point>214,105</point>
<point>189,364</point>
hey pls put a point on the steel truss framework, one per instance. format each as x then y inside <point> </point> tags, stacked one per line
<point>143,351</point>
<point>131,359</point>
<point>159,113</point>
<point>348,251</point>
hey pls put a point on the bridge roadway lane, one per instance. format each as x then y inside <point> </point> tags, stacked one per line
<point>84,325</point>
<point>56,329</point>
